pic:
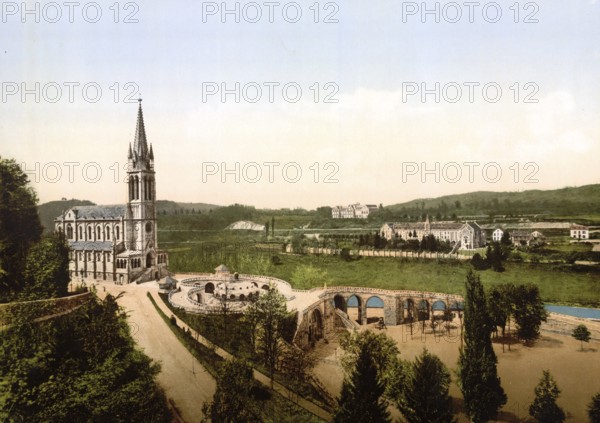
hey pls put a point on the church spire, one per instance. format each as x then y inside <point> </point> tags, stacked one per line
<point>140,145</point>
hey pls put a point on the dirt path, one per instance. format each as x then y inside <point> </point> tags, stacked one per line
<point>262,378</point>
<point>184,380</point>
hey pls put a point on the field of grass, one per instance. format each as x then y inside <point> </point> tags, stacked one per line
<point>559,284</point>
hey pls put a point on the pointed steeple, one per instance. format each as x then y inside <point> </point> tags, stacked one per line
<point>140,145</point>
<point>129,153</point>
<point>151,153</point>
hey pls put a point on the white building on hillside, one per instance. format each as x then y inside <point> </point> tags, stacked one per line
<point>580,232</point>
<point>353,211</point>
<point>497,235</point>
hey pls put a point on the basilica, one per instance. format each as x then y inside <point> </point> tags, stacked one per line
<point>119,242</point>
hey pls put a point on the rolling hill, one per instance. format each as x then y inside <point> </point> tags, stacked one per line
<point>564,202</point>
<point>48,211</point>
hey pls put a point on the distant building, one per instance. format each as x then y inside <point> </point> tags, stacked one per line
<point>526,237</point>
<point>520,237</point>
<point>580,232</point>
<point>119,242</point>
<point>353,211</point>
<point>469,235</point>
<point>497,235</point>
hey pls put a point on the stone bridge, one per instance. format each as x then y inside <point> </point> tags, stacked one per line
<point>319,319</point>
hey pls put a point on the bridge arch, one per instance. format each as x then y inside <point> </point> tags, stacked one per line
<point>315,325</point>
<point>423,310</point>
<point>410,310</point>
<point>457,306</point>
<point>339,302</point>
<point>439,305</point>
<point>354,301</point>
<point>374,302</point>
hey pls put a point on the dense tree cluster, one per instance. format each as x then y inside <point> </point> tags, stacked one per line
<point>81,367</point>
<point>522,303</point>
<point>20,227</point>
<point>376,376</point>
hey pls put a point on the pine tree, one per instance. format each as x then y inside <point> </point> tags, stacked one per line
<point>232,401</point>
<point>544,407</point>
<point>478,378</point>
<point>360,400</point>
<point>594,409</point>
<point>426,398</point>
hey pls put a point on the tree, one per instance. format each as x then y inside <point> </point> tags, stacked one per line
<point>500,300</point>
<point>20,226</point>
<point>224,306</point>
<point>494,257</point>
<point>426,398</point>
<point>306,276</point>
<point>581,333</point>
<point>232,401</point>
<point>479,263</point>
<point>529,312</point>
<point>544,407</point>
<point>361,397</point>
<point>273,225</point>
<point>478,378</point>
<point>81,366</point>
<point>267,228</point>
<point>270,313</point>
<point>593,409</point>
<point>47,269</point>
<point>382,350</point>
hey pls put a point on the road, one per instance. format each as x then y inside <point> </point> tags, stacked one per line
<point>182,377</point>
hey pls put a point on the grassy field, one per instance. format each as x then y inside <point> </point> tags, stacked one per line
<point>560,284</point>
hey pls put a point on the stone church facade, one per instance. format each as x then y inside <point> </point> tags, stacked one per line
<point>119,242</point>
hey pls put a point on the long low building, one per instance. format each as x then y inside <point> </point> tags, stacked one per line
<point>469,235</point>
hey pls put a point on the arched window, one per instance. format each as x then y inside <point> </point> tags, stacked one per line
<point>107,233</point>
<point>98,233</point>
<point>145,188</point>
<point>80,232</point>
<point>117,233</point>
<point>151,189</point>
<point>89,233</point>
<point>131,187</point>
<point>136,194</point>
<point>69,231</point>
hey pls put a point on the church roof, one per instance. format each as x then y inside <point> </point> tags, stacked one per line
<point>91,245</point>
<point>99,212</point>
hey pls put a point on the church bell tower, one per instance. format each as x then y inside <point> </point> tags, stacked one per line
<point>141,210</point>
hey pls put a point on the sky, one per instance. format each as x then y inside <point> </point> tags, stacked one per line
<point>302,104</point>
